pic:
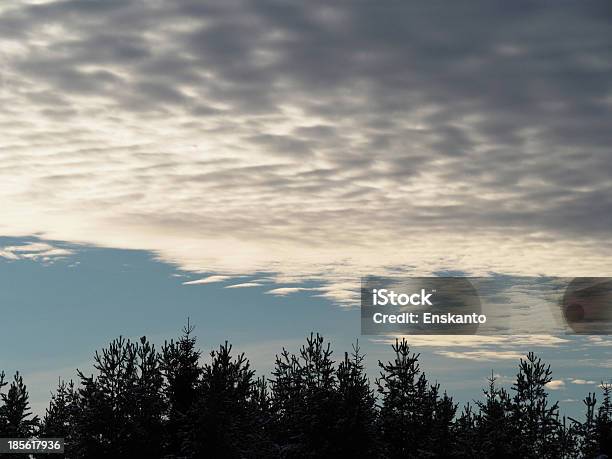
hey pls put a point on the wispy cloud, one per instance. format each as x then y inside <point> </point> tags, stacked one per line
<point>37,251</point>
<point>284,291</point>
<point>556,384</point>
<point>498,342</point>
<point>480,347</point>
<point>245,285</point>
<point>582,381</point>
<point>482,355</point>
<point>207,280</point>
<point>600,341</point>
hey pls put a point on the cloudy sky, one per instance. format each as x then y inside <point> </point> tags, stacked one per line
<point>309,141</point>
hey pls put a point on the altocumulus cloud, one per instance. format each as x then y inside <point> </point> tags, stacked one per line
<point>312,140</point>
<point>556,384</point>
<point>207,280</point>
<point>36,251</point>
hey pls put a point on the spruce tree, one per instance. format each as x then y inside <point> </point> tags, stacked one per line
<point>60,417</point>
<point>494,424</point>
<point>535,422</point>
<point>16,420</point>
<point>357,429</point>
<point>568,439</point>
<point>466,440</point>
<point>587,432</point>
<point>3,420</point>
<point>604,421</point>
<point>288,392</point>
<point>121,408</point>
<point>224,421</point>
<point>264,418</point>
<point>182,371</point>
<point>305,401</point>
<point>415,420</point>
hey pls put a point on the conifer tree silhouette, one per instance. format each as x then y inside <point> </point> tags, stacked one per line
<point>587,431</point>
<point>357,425</point>
<point>121,408</point>
<point>305,401</point>
<point>182,371</point>
<point>223,419</point>
<point>466,440</point>
<point>60,417</point>
<point>568,439</point>
<point>141,403</point>
<point>604,421</point>
<point>494,423</point>
<point>535,423</point>
<point>16,420</point>
<point>415,420</point>
<point>3,420</point>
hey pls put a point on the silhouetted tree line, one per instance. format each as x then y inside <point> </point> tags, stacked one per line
<point>149,403</point>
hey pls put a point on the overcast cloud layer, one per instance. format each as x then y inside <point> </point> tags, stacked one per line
<point>313,140</point>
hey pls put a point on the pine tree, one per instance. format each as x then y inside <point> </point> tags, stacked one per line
<point>288,392</point>
<point>305,401</point>
<point>443,410</point>
<point>415,420</point>
<point>121,408</point>
<point>586,431</point>
<point>400,414</point>
<point>535,423</point>
<point>466,441</point>
<point>494,422</point>
<point>60,417</point>
<point>146,402</point>
<point>181,369</point>
<point>568,439</point>
<point>604,421</point>
<point>224,421</point>
<point>357,429</point>
<point>264,418</point>
<point>16,420</point>
<point>3,420</point>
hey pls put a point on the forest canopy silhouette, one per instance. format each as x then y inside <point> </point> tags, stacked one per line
<point>171,403</point>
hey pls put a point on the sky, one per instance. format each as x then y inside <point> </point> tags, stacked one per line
<point>294,147</point>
